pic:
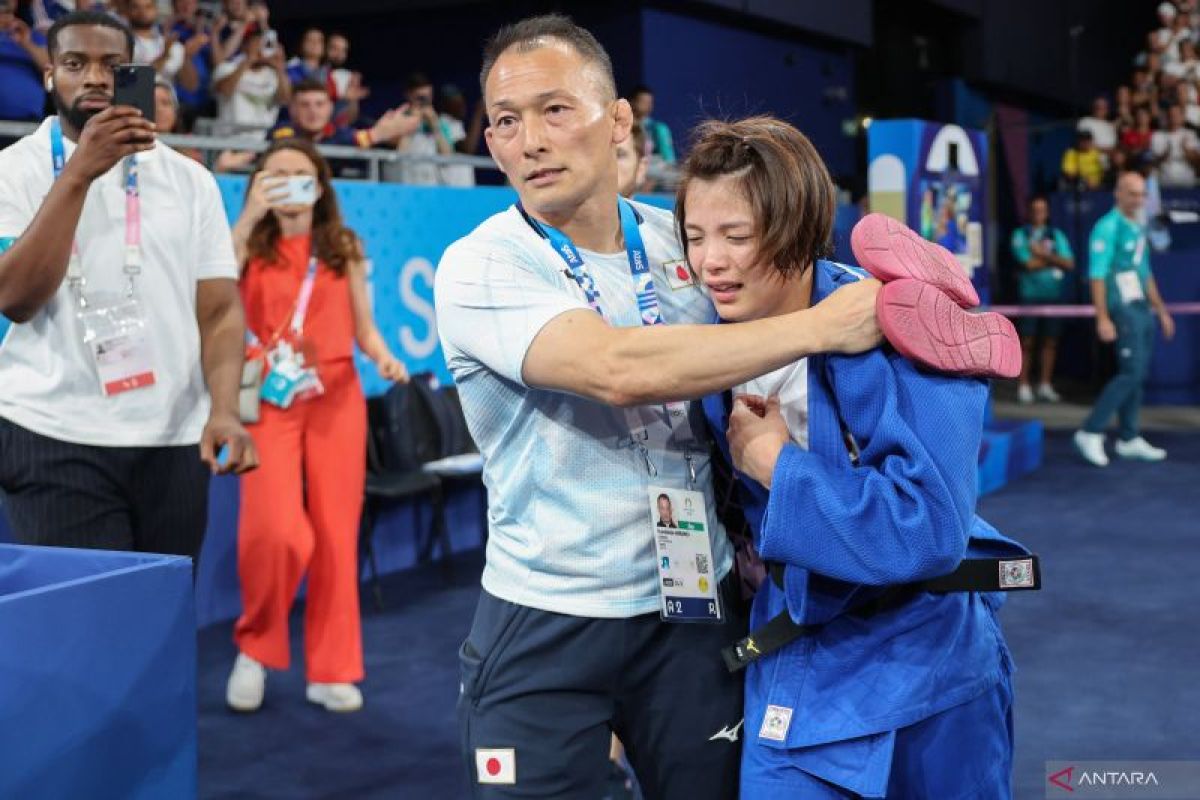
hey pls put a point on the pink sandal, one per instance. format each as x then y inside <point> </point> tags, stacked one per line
<point>925,325</point>
<point>890,251</point>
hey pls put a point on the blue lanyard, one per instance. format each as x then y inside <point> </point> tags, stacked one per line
<point>648,307</point>
<point>133,215</point>
<point>58,159</point>
<point>635,250</point>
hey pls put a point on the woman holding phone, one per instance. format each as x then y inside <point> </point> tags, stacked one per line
<point>857,475</point>
<point>305,293</point>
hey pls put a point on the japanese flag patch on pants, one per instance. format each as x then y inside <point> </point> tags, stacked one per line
<point>496,765</point>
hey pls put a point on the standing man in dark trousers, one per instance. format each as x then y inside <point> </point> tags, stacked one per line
<point>592,619</point>
<point>1127,304</point>
<point>119,378</point>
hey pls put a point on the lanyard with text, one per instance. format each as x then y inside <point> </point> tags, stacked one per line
<point>647,301</point>
<point>133,217</point>
<point>113,326</point>
<point>687,585</point>
<point>299,312</point>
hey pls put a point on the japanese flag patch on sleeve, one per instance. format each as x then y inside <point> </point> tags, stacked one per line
<point>496,765</point>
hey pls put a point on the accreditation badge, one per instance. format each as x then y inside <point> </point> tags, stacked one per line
<point>1129,286</point>
<point>687,585</point>
<point>288,379</point>
<point>114,330</point>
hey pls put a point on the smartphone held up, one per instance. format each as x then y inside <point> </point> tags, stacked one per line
<point>292,190</point>
<point>134,86</point>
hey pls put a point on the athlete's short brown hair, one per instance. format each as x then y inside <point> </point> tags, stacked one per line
<point>781,175</point>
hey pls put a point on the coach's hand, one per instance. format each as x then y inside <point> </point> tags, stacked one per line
<point>846,317</point>
<point>225,430</point>
<point>113,134</point>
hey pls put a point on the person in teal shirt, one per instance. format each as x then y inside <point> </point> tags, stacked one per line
<point>1044,254</point>
<point>1127,303</point>
<point>662,144</point>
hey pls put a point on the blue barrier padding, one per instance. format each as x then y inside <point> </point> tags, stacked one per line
<point>1009,450</point>
<point>993,461</point>
<point>98,655</point>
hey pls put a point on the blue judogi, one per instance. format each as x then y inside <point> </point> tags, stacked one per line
<point>847,701</point>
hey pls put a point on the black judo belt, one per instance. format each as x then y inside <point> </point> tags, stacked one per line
<point>972,575</point>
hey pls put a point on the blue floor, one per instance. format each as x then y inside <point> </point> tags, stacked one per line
<point>1108,654</point>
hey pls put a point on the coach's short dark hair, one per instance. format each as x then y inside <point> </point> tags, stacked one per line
<point>532,33</point>
<point>782,177</point>
<point>76,18</point>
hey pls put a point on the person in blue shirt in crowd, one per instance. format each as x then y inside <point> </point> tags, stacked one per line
<point>1044,256</point>
<point>310,64</point>
<point>23,60</point>
<point>857,476</point>
<point>310,116</point>
<point>194,31</point>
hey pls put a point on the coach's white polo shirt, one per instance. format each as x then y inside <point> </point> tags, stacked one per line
<point>48,382</point>
<point>569,521</point>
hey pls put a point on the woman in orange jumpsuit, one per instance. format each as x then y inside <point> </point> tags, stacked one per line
<point>304,289</point>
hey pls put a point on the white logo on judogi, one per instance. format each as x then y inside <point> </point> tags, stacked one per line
<point>776,723</point>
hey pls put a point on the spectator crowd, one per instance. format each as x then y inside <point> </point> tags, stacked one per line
<point>1150,125</point>
<point>224,71</point>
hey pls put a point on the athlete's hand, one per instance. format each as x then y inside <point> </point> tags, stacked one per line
<point>1105,329</point>
<point>845,320</point>
<point>757,434</point>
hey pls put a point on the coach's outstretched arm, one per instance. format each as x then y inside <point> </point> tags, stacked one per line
<point>580,353</point>
<point>34,267</point>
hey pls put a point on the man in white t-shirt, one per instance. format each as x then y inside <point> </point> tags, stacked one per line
<point>582,420</point>
<point>1104,133</point>
<point>126,351</point>
<point>162,50</point>
<point>1177,151</point>
<point>251,86</point>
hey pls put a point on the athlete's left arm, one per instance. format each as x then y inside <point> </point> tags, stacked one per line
<point>904,512</point>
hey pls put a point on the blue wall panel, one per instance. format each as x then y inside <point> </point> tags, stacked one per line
<point>701,69</point>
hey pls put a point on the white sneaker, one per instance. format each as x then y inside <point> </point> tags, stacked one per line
<point>1046,392</point>
<point>335,696</point>
<point>1138,449</point>
<point>247,684</point>
<point>1091,447</point>
<point>1024,395</point>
